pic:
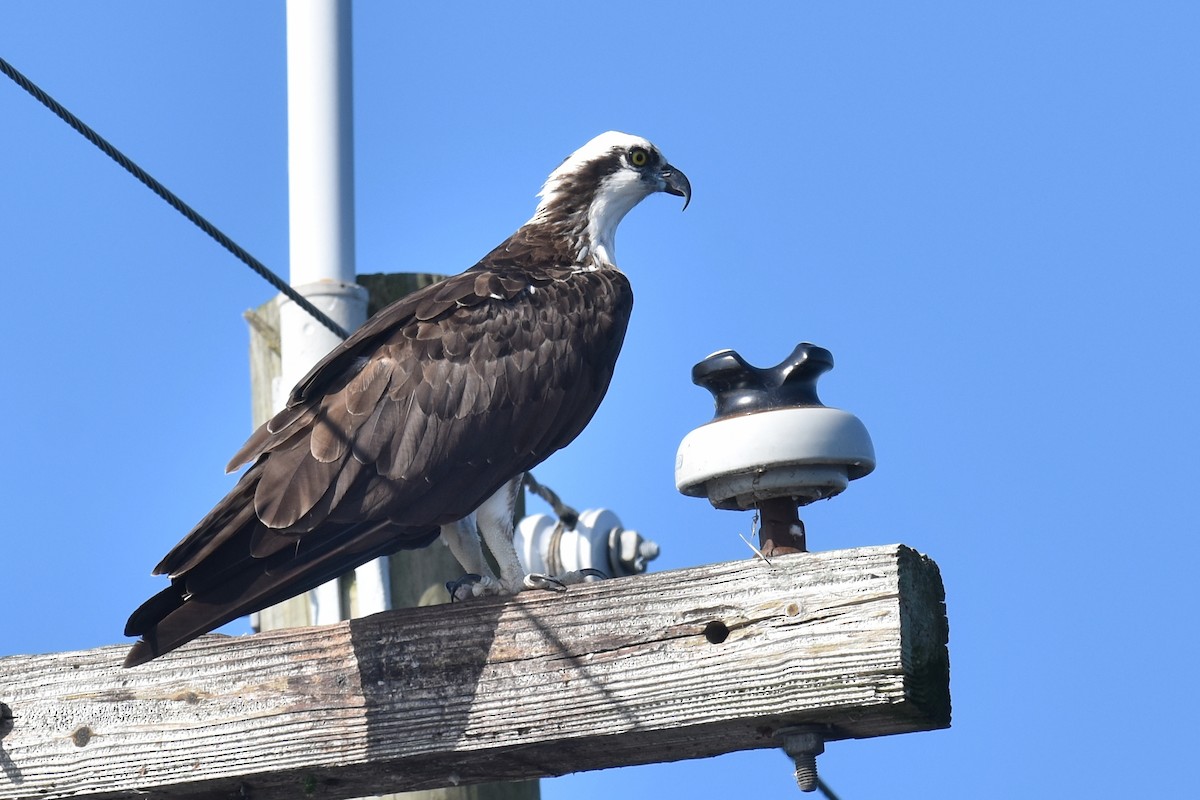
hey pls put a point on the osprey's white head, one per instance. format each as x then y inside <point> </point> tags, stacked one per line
<point>596,186</point>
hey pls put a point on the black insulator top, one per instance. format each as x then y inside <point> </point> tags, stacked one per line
<point>740,388</point>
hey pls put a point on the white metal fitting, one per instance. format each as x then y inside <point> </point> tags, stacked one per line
<point>598,541</point>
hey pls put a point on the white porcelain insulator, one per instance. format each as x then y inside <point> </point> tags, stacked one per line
<point>807,453</point>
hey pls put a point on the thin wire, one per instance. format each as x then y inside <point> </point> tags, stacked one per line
<point>567,515</point>
<point>825,790</point>
<point>171,198</point>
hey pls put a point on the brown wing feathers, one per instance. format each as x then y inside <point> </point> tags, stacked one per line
<point>410,423</point>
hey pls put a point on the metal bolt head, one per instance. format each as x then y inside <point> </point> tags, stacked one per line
<point>629,552</point>
<point>803,744</point>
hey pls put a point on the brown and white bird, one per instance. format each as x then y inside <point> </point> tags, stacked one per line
<point>422,423</point>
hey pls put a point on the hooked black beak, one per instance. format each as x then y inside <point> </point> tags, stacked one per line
<point>676,183</point>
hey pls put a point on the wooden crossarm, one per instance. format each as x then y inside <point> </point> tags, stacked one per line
<point>658,667</point>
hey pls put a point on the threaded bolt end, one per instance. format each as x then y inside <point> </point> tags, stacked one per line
<point>806,772</point>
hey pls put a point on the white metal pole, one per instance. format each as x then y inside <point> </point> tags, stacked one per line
<point>320,144</point>
<point>321,220</point>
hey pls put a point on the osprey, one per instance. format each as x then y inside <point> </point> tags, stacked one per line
<point>422,423</point>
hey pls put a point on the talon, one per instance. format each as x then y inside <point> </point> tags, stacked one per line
<point>472,585</point>
<point>585,575</point>
<point>536,581</point>
<point>465,582</point>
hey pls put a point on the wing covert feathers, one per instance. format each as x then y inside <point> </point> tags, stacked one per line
<point>410,423</point>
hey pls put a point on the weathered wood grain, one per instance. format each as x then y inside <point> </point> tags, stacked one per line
<point>657,667</point>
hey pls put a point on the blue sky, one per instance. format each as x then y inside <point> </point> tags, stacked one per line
<point>989,215</point>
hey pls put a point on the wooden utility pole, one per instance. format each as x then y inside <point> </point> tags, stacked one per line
<point>417,577</point>
<point>657,667</point>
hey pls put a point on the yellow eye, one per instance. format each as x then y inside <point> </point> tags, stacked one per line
<point>638,156</point>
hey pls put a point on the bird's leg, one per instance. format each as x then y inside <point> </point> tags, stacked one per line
<point>462,537</point>
<point>496,527</point>
<point>495,518</point>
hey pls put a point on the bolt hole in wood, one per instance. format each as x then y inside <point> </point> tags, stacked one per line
<point>716,632</point>
<point>6,720</point>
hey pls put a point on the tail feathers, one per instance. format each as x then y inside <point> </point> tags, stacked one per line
<point>225,521</point>
<point>156,608</point>
<point>185,611</point>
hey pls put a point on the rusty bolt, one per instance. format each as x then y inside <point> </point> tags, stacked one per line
<point>803,743</point>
